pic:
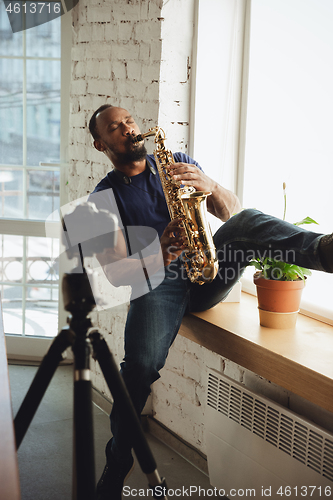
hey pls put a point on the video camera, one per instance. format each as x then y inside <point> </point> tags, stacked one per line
<point>86,231</point>
<point>89,228</point>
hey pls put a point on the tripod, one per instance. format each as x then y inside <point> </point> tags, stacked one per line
<point>79,301</point>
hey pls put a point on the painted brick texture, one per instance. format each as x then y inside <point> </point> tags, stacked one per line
<point>115,59</point>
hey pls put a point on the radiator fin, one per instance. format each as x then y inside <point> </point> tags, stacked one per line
<point>286,432</point>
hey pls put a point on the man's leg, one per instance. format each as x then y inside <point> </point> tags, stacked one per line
<point>251,234</point>
<point>152,324</point>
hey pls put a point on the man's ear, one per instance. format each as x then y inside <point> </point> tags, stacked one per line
<point>99,146</point>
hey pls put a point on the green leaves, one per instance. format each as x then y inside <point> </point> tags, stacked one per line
<point>278,270</point>
<point>307,220</point>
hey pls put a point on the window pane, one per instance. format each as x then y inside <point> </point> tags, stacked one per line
<point>41,265</point>
<point>11,185</point>
<point>41,303</point>
<point>25,193</point>
<point>289,117</point>
<point>10,43</point>
<point>13,206</point>
<point>44,40</point>
<point>11,257</point>
<point>317,294</point>
<point>11,112</point>
<point>43,111</point>
<point>43,193</point>
<point>12,309</point>
<point>290,107</point>
<point>11,180</point>
<point>41,312</point>
<point>12,246</point>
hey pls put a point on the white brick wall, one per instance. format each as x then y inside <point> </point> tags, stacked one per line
<point>138,55</point>
<point>115,59</point>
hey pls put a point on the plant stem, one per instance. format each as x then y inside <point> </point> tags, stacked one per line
<point>285,201</point>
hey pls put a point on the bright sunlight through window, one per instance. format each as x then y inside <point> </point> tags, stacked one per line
<point>289,125</point>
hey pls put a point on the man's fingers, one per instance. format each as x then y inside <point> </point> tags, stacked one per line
<point>175,226</point>
<point>185,172</point>
<point>173,240</point>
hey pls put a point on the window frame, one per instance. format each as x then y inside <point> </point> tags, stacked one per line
<point>26,346</point>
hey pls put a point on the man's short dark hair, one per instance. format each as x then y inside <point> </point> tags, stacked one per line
<point>92,122</point>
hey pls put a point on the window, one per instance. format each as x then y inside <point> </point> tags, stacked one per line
<point>31,155</point>
<point>263,112</point>
<point>289,120</point>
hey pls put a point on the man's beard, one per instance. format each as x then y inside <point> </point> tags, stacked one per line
<point>132,154</point>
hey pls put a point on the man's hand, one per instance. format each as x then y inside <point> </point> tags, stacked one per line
<point>222,203</point>
<point>172,241</point>
<point>191,175</point>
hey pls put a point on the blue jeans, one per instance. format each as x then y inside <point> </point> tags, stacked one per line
<point>154,319</point>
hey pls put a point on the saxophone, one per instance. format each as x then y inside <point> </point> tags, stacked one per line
<point>190,206</point>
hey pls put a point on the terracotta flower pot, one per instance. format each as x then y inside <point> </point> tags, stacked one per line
<point>278,301</point>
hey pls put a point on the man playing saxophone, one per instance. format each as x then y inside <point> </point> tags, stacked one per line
<point>155,316</point>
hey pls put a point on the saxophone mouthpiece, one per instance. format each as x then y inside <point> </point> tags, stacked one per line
<point>141,137</point>
<point>137,138</point>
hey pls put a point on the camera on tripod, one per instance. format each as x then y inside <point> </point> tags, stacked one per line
<point>87,231</point>
<point>93,229</point>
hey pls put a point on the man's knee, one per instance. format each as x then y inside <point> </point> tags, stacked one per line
<point>245,215</point>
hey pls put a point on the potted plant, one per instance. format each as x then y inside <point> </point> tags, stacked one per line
<point>279,286</point>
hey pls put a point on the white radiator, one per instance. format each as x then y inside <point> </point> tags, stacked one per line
<point>258,448</point>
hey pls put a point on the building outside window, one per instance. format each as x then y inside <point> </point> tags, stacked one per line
<point>30,158</point>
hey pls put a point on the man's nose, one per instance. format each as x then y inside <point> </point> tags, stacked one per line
<point>128,129</point>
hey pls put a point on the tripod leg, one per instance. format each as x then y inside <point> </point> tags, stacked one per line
<point>84,458</point>
<point>40,383</point>
<point>120,394</point>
